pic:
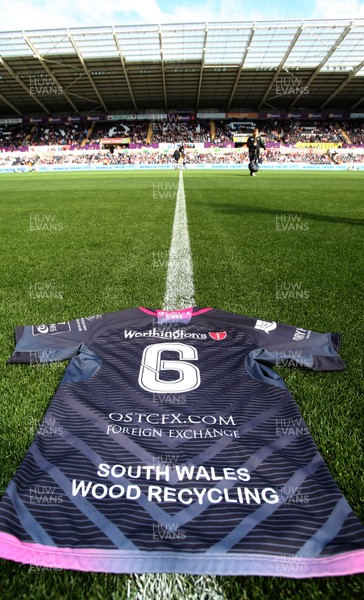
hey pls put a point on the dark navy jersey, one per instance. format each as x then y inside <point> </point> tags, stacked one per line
<point>255,142</point>
<point>171,445</point>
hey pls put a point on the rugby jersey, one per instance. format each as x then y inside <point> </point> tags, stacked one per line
<point>171,445</point>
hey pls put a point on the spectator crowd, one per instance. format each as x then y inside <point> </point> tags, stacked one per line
<point>145,157</point>
<point>173,130</point>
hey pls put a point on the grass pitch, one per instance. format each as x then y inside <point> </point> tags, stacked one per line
<point>283,246</point>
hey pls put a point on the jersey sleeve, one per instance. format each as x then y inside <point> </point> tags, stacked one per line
<point>53,342</point>
<point>285,345</point>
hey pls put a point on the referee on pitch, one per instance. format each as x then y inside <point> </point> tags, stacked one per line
<point>179,157</point>
<point>255,143</point>
<point>176,156</point>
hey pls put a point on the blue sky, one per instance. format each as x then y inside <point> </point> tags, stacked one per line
<point>41,14</point>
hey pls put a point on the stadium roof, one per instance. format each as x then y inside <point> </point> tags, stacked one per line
<point>267,65</point>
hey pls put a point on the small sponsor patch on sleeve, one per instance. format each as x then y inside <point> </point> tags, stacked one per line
<point>265,326</point>
<point>52,328</point>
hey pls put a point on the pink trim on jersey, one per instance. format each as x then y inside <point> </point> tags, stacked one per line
<point>121,561</point>
<point>198,312</point>
<point>146,310</point>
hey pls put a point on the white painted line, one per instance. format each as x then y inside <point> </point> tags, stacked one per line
<point>180,290</point>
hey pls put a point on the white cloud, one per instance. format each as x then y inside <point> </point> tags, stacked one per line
<point>338,9</point>
<point>51,14</point>
<point>47,14</point>
<point>22,14</point>
<point>228,11</point>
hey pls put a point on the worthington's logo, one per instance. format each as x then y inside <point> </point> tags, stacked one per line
<point>167,333</point>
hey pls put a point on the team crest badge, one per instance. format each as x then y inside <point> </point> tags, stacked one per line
<point>218,335</point>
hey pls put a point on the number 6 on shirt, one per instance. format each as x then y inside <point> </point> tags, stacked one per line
<point>153,364</point>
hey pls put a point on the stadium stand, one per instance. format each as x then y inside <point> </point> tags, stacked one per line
<point>298,97</point>
<point>207,142</point>
<point>198,131</point>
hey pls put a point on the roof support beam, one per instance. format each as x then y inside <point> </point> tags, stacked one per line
<point>163,68</point>
<point>22,84</point>
<point>324,60</point>
<point>85,68</point>
<point>357,103</point>
<point>281,65</point>
<point>6,101</point>
<point>343,84</point>
<point>49,72</point>
<point>116,40</point>
<point>202,67</point>
<point>232,94</point>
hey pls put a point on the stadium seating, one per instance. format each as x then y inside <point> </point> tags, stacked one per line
<point>286,141</point>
